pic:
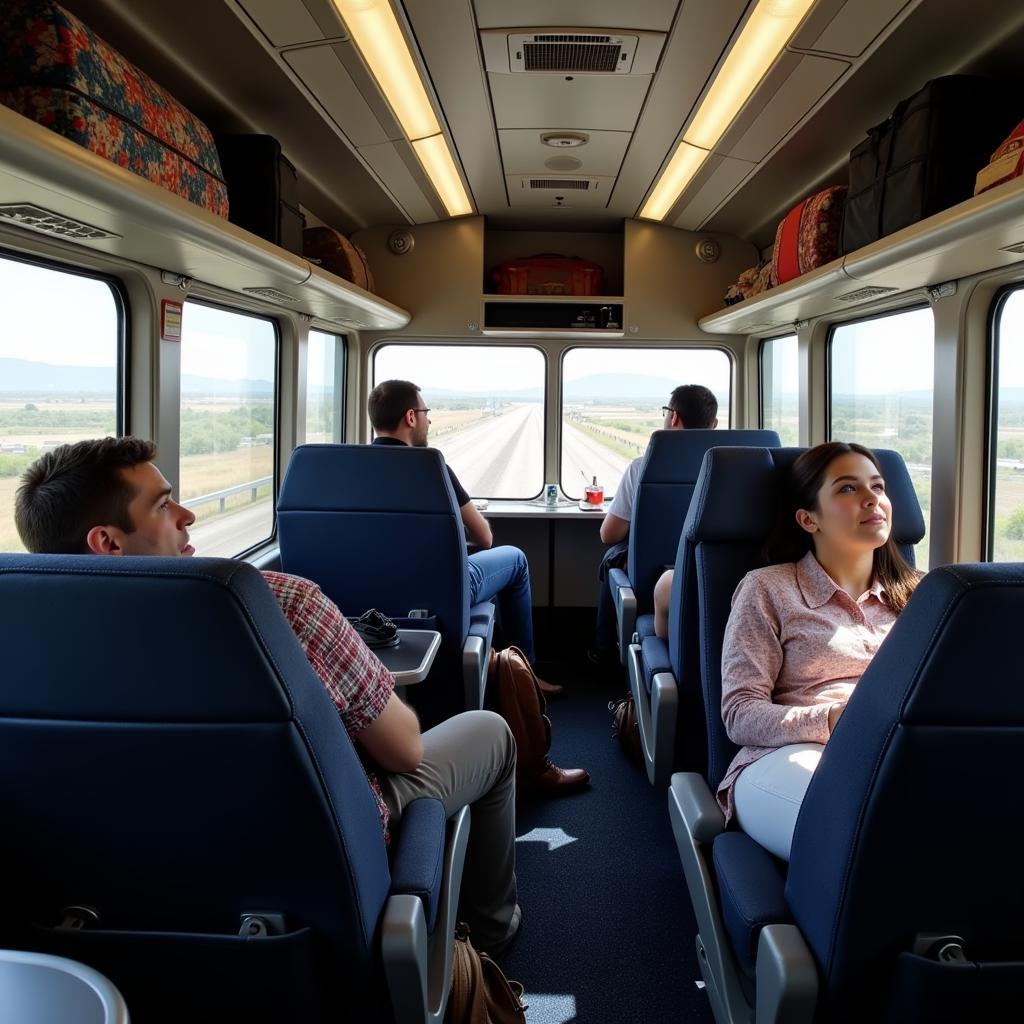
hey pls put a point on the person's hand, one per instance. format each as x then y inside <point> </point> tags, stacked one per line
<point>833,716</point>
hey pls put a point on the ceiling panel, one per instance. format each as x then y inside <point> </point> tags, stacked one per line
<point>534,101</point>
<point>321,71</point>
<point>810,80</point>
<point>714,183</point>
<point>389,162</point>
<point>522,152</point>
<point>853,28</point>
<point>283,22</point>
<point>641,14</point>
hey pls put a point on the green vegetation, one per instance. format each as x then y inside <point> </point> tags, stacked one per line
<point>32,420</point>
<point>15,465</point>
<point>1014,528</point>
<point>205,431</point>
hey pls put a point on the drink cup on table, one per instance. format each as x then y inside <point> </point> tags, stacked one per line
<point>594,493</point>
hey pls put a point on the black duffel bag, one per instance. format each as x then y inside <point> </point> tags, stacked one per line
<point>924,157</point>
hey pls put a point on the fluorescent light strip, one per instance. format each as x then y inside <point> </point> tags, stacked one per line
<point>762,39</point>
<point>375,30</point>
<point>437,161</point>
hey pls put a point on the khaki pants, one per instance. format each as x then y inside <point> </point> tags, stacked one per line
<point>471,759</point>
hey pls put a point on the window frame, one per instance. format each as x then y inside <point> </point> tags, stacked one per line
<point>276,446</point>
<point>122,397</point>
<point>729,355</point>
<point>762,342</point>
<point>467,344</point>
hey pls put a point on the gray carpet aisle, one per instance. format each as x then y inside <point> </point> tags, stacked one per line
<point>608,933</point>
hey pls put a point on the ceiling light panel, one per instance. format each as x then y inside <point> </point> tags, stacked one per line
<point>437,161</point>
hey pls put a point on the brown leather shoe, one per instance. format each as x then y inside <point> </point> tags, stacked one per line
<point>549,689</point>
<point>554,781</point>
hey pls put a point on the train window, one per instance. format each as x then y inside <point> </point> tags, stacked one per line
<point>881,385</point>
<point>780,388</point>
<point>612,399</point>
<point>228,379</point>
<point>60,351</point>
<point>1006,503</point>
<point>486,410</point>
<point>325,391</point>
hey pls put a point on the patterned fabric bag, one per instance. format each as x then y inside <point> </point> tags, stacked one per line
<point>60,74</point>
<point>808,236</point>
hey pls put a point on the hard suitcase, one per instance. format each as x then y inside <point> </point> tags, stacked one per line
<point>924,157</point>
<point>264,189</point>
<point>1007,163</point>
<point>808,236</point>
<point>331,250</point>
<point>60,74</point>
<point>549,274</point>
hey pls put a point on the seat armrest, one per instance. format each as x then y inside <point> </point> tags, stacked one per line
<point>476,654</point>
<point>625,610</point>
<point>418,858</point>
<point>787,977</point>
<point>696,806</point>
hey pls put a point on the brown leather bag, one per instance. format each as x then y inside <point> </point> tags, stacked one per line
<point>626,729</point>
<point>481,994</point>
<point>522,705</point>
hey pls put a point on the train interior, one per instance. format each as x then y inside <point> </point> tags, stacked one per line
<point>560,157</point>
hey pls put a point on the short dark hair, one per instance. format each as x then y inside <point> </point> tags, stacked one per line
<point>68,491</point>
<point>389,401</point>
<point>696,405</point>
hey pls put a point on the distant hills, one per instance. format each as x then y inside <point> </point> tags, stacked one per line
<point>612,386</point>
<point>23,376</point>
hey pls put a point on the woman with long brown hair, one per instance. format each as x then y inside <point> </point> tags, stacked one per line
<point>802,632</point>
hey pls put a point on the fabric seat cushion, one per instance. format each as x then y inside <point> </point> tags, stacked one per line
<point>653,659</point>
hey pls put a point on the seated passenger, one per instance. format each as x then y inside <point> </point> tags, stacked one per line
<point>108,497</point>
<point>662,598</point>
<point>690,407</point>
<point>399,417</point>
<point>801,634</point>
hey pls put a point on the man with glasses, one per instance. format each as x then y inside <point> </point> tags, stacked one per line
<point>690,406</point>
<point>400,417</point>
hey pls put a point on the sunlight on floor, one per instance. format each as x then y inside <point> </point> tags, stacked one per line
<point>550,1009</point>
<point>554,837</point>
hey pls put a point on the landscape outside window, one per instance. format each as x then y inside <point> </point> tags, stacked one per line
<point>60,335</point>
<point>228,377</point>
<point>780,388</point>
<point>324,353</point>
<point>881,394</point>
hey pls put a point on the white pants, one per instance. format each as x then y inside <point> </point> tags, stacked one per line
<point>768,794</point>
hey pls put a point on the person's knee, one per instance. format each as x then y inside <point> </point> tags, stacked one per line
<point>496,736</point>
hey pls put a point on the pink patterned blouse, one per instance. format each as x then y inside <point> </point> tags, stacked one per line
<point>795,644</point>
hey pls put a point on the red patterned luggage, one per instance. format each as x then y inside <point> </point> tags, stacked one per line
<point>337,255</point>
<point>1007,162</point>
<point>549,274</point>
<point>808,236</point>
<point>60,74</point>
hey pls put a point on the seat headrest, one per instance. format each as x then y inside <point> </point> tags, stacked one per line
<point>366,478</point>
<point>738,492</point>
<point>675,456</point>
<point>98,638</point>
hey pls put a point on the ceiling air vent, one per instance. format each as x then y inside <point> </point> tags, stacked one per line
<point>35,218</point>
<point>571,53</point>
<point>864,293</point>
<point>578,184</point>
<point>270,293</point>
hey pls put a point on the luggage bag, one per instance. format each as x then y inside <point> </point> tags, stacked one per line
<point>924,157</point>
<point>331,250</point>
<point>59,73</point>
<point>1007,163</point>
<point>264,189</point>
<point>549,274</point>
<point>808,236</point>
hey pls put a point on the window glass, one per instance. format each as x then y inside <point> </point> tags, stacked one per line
<point>780,388</point>
<point>1007,500</point>
<point>325,365</point>
<point>60,339</point>
<point>228,377</point>
<point>612,399</point>
<point>486,410</point>
<point>881,394</point>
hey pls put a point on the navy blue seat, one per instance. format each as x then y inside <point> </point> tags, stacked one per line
<point>378,527</point>
<point>753,958</point>
<point>667,477</point>
<point>184,811</point>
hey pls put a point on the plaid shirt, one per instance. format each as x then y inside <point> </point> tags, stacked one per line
<point>358,683</point>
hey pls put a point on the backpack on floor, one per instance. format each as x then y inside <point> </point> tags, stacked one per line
<point>520,702</point>
<point>626,729</point>
<point>481,994</point>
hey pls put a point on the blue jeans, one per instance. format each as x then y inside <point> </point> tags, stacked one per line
<point>504,573</point>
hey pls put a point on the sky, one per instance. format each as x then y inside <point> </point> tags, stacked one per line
<point>79,321</point>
